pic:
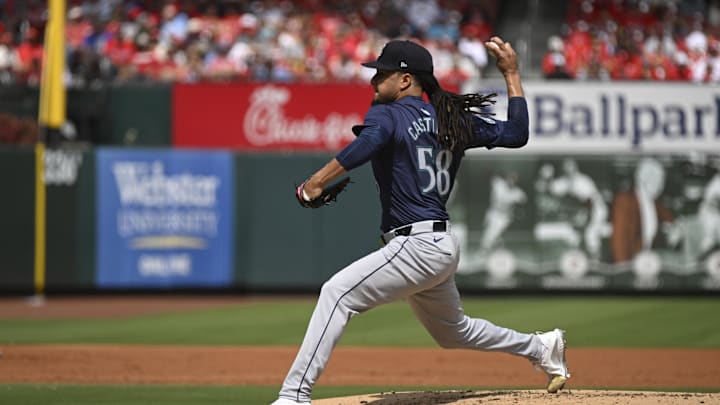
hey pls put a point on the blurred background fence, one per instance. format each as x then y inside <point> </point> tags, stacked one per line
<point>189,123</point>
<point>186,194</point>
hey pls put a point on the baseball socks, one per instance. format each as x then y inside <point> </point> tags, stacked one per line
<point>552,360</point>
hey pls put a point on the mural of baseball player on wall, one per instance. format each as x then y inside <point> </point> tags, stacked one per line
<point>709,214</point>
<point>589,222</point>
<point>572,183</point>
<point>643,224</point>
<point>504,195</point>
<point>638,216</point>
<point>488,233</point>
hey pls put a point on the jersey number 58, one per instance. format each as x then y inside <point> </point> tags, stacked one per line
<point>437,169</point>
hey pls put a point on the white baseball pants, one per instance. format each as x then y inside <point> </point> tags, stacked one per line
<point>420,268</point>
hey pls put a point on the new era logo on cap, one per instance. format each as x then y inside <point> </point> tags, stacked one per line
<point>403,55</point>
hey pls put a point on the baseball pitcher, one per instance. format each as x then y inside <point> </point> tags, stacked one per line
<point>415,148</point>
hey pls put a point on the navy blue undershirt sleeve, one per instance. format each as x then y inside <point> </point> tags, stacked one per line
<point>512,133</point>
<point>373,134</point>
<point>361,149</point>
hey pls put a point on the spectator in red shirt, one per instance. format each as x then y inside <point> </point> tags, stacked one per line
<point>77,28</point>
<point>30,56</point>
<point>121,48</point>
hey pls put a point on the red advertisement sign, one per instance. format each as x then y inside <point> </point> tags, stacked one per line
<point>267,116</point>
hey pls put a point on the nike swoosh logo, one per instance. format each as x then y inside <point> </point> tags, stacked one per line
<point>436,240</point>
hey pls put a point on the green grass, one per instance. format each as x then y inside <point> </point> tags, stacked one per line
<point>589,322</point>
<point>42,394</point>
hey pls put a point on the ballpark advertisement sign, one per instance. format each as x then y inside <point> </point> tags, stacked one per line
<point>268,116</point>
<point>595,117</point>
<point>565,117</point>
<point>165,218</point>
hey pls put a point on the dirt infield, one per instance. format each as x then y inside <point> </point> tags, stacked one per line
<point>236,365</point>
<point>229,365</point>
<point>569,397</point>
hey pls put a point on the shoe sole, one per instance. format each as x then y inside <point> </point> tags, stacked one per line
<point>557,382</point>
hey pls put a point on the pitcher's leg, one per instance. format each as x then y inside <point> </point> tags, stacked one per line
<point>325,328</point>
<point>439,309</point>
<point>378,278</point>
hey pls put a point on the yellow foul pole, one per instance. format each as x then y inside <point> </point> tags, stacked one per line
<point>51,117</point>
<point>52,87</point>
<point>40,209</point>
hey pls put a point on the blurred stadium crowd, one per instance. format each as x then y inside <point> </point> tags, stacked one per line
<point>236,40</point>
<point>637,40</point>
<point>324,40</point>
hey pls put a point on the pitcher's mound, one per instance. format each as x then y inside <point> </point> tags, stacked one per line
<point>515,397</point>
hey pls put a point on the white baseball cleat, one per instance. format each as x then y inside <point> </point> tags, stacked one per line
<point>285,401</point>
<point>553,361</point>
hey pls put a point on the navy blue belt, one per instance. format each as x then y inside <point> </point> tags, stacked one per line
<point>415,228</point>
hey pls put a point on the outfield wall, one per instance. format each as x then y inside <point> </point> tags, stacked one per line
<point>153,202</point>
<point>120,218</point>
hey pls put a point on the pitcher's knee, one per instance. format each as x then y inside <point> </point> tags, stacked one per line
<point>331,289</point>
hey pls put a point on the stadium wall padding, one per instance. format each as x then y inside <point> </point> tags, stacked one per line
<point>546,237</point>
<point>140,115</point>
<point>551,238</point>
<point>282,246</point>
<point>17,218</point>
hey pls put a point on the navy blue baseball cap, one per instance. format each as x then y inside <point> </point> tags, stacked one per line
<point>403,56</point>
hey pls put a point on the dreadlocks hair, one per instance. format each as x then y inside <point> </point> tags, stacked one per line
<point>454,111</point>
